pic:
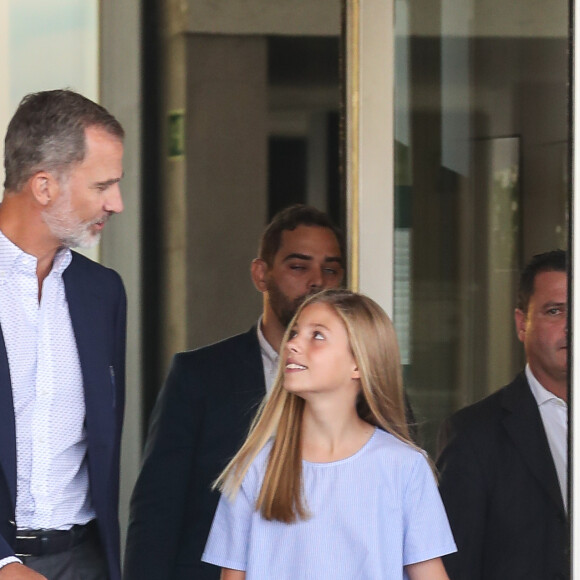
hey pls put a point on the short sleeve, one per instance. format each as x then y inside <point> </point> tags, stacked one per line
<point>427,533</point>
<point>227,544</point>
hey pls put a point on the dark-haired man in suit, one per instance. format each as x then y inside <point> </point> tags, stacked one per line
<point>210,396</point>
<point>504,466</point>
<point>62,343</point>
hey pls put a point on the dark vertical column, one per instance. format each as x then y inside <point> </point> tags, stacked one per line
<point>151,203</point>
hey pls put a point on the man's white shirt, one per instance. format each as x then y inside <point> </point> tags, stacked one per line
<point>554,413</point>
<point>270,358</point>
<point>47,389</point>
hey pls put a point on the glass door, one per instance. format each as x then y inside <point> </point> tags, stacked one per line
<point>476,100</point>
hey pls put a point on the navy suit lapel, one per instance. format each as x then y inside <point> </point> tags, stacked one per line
<point>87,313</point>
<point>523,423</point>
<point>7,423</point>
<point>252,369</point>
<point>253,362</point>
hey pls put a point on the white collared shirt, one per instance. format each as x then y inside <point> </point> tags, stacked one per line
<point>554,413</point>
<point>269,358</point>
<point>47,389</point>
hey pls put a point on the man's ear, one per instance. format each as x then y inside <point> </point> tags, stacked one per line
<point>44,187</point>
<point>521,324</point>
<point>258,270</point>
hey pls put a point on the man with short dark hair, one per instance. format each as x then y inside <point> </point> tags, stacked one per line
<point>62,343</point>
<point>503,471</point>
<point>211,394</point>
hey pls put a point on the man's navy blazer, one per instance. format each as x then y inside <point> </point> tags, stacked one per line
<point>97,305</point>
<point>501,491</point>
<point>199,422</point>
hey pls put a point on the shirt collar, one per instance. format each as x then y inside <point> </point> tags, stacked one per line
<point>12,257</point>
<point>62,259</point>
<point>265,346</point>
<point>541,394</point>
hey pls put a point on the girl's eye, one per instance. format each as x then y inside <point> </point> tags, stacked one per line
<point>292,334</point>
<point>318,335</point>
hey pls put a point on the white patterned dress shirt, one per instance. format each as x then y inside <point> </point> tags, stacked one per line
<point>47,389</point>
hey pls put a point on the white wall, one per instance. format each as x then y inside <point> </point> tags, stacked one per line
<point>46,44</point>
<point>5,108</point>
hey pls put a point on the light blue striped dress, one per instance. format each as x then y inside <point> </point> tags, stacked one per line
<point>372,514</point>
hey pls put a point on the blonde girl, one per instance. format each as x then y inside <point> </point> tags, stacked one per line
<point>328,484</point>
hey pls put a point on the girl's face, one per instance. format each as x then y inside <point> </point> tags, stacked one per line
<point>318,358</point>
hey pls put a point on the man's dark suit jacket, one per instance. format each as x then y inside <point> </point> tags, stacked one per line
<point>500,488</point>
<point>199,422</point>
<point>97,306</point>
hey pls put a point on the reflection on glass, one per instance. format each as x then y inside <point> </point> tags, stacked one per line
<point>480,184</point>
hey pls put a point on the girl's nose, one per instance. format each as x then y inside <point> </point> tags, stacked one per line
<point>292,345</point>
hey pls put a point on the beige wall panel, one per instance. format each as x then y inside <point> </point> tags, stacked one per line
<point>120,93</point>
<point>298,17</point>
<point>226,183</point>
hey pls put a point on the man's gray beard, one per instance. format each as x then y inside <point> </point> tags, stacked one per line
<point>65,227</point>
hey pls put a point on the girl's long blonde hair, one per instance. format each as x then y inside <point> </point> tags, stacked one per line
<point>374,346</point>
